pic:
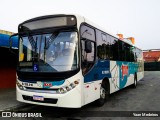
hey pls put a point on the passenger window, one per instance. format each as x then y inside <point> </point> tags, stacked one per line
<point>87,53</point>
<point>103,45</point>
<point>104,37</point>
<point>88,33</point>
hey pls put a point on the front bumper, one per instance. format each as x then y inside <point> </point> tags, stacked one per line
<point>71,99</point>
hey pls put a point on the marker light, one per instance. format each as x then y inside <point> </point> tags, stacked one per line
<point>69,87</point>
<point>76,82</point>
<point>20,86</point>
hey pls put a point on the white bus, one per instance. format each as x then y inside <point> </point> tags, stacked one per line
<point>67,61</point>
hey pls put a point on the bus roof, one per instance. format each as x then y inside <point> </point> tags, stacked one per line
<point>102,29</point>
<point>81,19</point>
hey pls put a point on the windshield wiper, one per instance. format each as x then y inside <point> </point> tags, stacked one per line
<point>34,47</point>
<point>31,40</point>
<point>45,48</point>
<point>51,39</point>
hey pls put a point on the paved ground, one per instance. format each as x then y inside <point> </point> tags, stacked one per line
<point>146,97</point>
<point>8,99</point>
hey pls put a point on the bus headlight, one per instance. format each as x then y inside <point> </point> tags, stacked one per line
<point>20,86</point>
<point>69,87</point>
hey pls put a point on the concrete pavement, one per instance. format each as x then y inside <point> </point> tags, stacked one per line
<point>8,99</point>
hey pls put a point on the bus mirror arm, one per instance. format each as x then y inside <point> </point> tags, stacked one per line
<point>10,43</point>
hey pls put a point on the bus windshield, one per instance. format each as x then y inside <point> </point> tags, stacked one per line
<point>55,52</point>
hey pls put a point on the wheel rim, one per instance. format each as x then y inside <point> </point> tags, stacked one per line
<point>103,93</point>
<point>135,82</point>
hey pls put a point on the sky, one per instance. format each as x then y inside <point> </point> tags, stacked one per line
<point>133,18</point>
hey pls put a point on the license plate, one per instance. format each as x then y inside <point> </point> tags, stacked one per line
<point>39,98</point>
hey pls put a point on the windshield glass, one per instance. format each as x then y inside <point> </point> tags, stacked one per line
<point>54,52</point>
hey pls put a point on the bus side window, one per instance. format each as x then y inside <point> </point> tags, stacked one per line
<point>87,55</point>
<point>103,45</point>
<point>132,54</point>
<point>114,49</point>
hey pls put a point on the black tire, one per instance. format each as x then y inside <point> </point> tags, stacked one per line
<point>104,94</point>
<point>134,85</point>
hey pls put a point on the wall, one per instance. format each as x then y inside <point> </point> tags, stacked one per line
<point>8,62</point>
<point>152,66</point>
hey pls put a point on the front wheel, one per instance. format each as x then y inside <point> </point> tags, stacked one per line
<point>104,94</point>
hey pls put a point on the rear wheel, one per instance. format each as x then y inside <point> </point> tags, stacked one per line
<point>104,94</point>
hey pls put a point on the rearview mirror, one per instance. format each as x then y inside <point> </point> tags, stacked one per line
<point>12,47</point>
<point>88,46</point>
<point>10,39</point>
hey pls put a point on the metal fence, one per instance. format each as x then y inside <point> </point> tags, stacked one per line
<point>152,66</point>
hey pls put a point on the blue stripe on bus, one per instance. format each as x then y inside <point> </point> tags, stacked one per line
<point>99,71</point>
<point>96,73</point>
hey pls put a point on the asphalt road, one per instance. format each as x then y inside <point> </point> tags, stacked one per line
<point>146,97</point>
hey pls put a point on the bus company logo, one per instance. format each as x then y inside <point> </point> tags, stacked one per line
<point>124,70</point>
<point>40,84</point>
<point>47,84</point>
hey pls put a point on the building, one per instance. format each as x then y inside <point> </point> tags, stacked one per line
<point>4,39</point>
<point>151,56</point>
